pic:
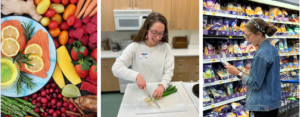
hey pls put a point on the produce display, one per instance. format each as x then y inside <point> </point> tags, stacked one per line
<point>26,52</point>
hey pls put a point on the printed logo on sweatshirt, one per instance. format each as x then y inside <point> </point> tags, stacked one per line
<point>144,55</point>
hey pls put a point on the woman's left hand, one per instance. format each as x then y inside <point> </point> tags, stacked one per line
<point>232,70</point>
<point>158,92</point>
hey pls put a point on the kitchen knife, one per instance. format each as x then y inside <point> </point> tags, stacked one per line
<point>149,95</point>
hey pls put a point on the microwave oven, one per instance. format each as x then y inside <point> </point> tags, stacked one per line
<point>130,19</point>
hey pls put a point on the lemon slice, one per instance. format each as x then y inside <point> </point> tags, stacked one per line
<point>10,32</point>
<point>10,47</point>
<point>34,49</point>
<point>37,64</point>
<point>71,91</point>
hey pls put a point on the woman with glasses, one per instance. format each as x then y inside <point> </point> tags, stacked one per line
<point>263,96</point>
<point>150,56</point>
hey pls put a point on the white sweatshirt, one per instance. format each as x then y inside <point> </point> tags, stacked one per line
<point>155,64</point>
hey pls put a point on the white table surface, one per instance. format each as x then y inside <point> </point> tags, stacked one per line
<point>127,108</point>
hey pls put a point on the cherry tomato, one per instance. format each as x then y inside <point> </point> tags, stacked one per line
<point>36,2</point>
<point>54,32</point>
<point>53,25</point>
<point>70,10</point>
<point>65,2</point>
<point>43,6</point>
<point>63,26</point>
<point>56,1</point>
<point>73,1</point>
<point>50,13</point>
<point>63,37</point>
<point>45,21</point>
<point>59,8</point>
<point>56,18</point>
<point>71,20</point>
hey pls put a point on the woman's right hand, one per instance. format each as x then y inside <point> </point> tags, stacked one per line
<point>140,81</point>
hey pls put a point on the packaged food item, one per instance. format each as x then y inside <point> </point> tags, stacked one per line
<point>289,30</point>
<point>226,24</point>
<point>296,62</point>
<point>232,24</point>
<point>207,71</point>
<point>237,49</point>
<point>291,61</point>
<point>274,12</point>
<point>251,48</point>
<point>242,26</point>
<point>284,13</point>
<point>229,88</point>
<point>217,23</point>
<point>235,105</point>
<point>220,91</point>
<point>225,63</point>
<point>283,29</point>
<point>285,61</point>
<point>206,99</point>
<point>208,49</point>
<point>247,65</point>
<point>296,30</point>
<point>267,13</point>
<point>278,28</point>
<point>205,19</point>
<point>230,6</point>
<point>211,114</point>
<point>281,46</point>
<point>215,93</point>
<point>209,4</point>
<point>204,4</point>
<point>223,45</point>
<point>239,65</point>
<point>230,114</point>
<point>240,9</point>
<point>217,5</point>
<point>279,13</point>
<point>222,109</point>
<point>222,72</point>
<point>285,44</point>
<point>258,11</point>
<point>209,92</point>
<point>249,11</point>
<point>243,46</point>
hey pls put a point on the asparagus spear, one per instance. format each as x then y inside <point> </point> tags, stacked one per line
<point>24,108</point>
<point>4,107</point>
<point>8,113</point>
<point>25,103</point>
<point>12,106</point>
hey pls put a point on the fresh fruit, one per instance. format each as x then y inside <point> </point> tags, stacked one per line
<point>71,106</point>
<point>56,1</point>
<point>73,1</point>
<point>63,37</point>
<point>37,64</point>
<point>64,61</point>
<point>88,87</point>
<point>77,24</point>
<point>71,34</point>
<point>54,32</point>
<point>64,2</point>
<point>59,8</point>
<point>74,109</point>
<point>10,32</point>
<point>86,19</point>
<point>84,29</point>
<point>56,43</point>
<point>50,13</point>
<point>94,54</point>
<point>71,20</point>
<point>36,109</point>
<point>56,18</point>
<point>93,71</point>
<point>77,48</point>
<point>53,25</point>
<point>94,19</point>
<point>70,10</point>
<point>78,33</point>
<point>91,28</point>
<point>71,40</point>
<point>71,91</point>
<point>42,6</point>
<point>36,2</point>
<point>58,77</point>
<point>34,49</point>
<point>82,66</point>
<point>64,26</point>
<point>45,21</point>
<point>10,47</point>
<point>65,103</point>
<point>93,41</point>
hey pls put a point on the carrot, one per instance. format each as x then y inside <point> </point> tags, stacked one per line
<point>90,8</point>
<point>93,12</point>
<point>86,4</point>
<point>78,7</point>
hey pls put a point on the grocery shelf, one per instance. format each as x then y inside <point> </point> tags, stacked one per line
<point>221,82</point>
<point>227,59</point>
<point>289,54</point>
<point>223,103</point>
<point>283,37</point>
<point>245,17</point>
<point>288,69</point>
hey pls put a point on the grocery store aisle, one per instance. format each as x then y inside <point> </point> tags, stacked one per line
<point>110,103</point>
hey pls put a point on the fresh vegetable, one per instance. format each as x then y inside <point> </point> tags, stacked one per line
<point>77,48</point>
<point>170,90</point>
<point>45,21</point>
<point>70,10</point>
<point>86,4</point>
<point>71,40</point>
<point>42,6</point>
<point>56,18</point>
<point>36,2</point>
<point>82,66</point>
<point>87,102</point>
<point>64,26</point>
<point>93,12</point>
<point>53,25</point>
<point>24,102</point>
<point>93,71</point>
<point>94,54</point>
<point>58,77</point>
<point>54,32</point>
<point>23,7</point>
<point>89,9</point>
<point>77,24</point>
<point>56,1</point>
<point>78,7</point>
<point>71,20</point>
<point>50,13</point>
<point>56,43</point>
<point>73,1</point>
<point>64,61</point>
<point>65,2</point>
<point>59,8</point>
<point>63,37</point>
<point>4,107</point>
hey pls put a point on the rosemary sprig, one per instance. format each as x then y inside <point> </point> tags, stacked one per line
<point>27,30</point>
<point>27,80</point>
<point>22,58</point>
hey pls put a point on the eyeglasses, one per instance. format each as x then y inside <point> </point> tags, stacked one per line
<point>160,34</point>
<point>248,36</point>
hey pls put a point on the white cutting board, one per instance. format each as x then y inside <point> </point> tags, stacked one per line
<point>171,103</point>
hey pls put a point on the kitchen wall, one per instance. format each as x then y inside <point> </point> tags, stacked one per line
<point>193,35</point>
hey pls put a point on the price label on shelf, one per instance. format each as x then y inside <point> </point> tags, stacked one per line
<point>246,17</point>
<point>212,106</point>
<point>220,82</point>
<point>278,21</point>
<point>277,36</point>
<point>247,57</point>
<point>272,36</point>
<point>286,22</point>
<point>230,37</point>
<point>213,13</point>
<point>245,96</point>
<point>231,80</point>
<point>237,58</point>
<point>204,12</point>
<point>269,20</point>
<point>286,70</point>
<point>213,60</point>
<point>296,21</point>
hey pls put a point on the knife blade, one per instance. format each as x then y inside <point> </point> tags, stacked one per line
<point>149,95</point>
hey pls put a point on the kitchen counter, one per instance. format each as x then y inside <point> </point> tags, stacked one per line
<point>128,105</point>
<point>192,50</point>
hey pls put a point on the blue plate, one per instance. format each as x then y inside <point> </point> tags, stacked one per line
<point>40,82</point>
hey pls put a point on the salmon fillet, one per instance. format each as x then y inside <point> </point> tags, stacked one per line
<point>40,38</point>
<point>17,24</point>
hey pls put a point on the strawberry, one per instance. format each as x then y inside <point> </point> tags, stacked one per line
<point>77,49</point>
<point>94,54</point>
<point>93,71</point>
<point>82,66</point>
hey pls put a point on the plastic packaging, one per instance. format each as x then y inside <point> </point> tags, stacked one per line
<point>249,11</point>
<point>229,89</point>
<point>210,3</point>
<point>207,71</point>
<point>230,6</point>
<point>208,49</point>
<point>217,23</point>
<point>284,13</point>
<point>243,46</point>
<point>237,49</point>
<point>223,46</point>
<point>247,65</point>
<point>232,24</point>
<point>215,93</point>
<point>258,10</point>
<point>281,46</point>
<point>226,24</point>
<point>205,23</point>
<point>239,65</point>
<point>206,99</point>
<point>240,9</point>
<point>217,5</point>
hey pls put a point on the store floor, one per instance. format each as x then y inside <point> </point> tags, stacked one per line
<point>110,103</point>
